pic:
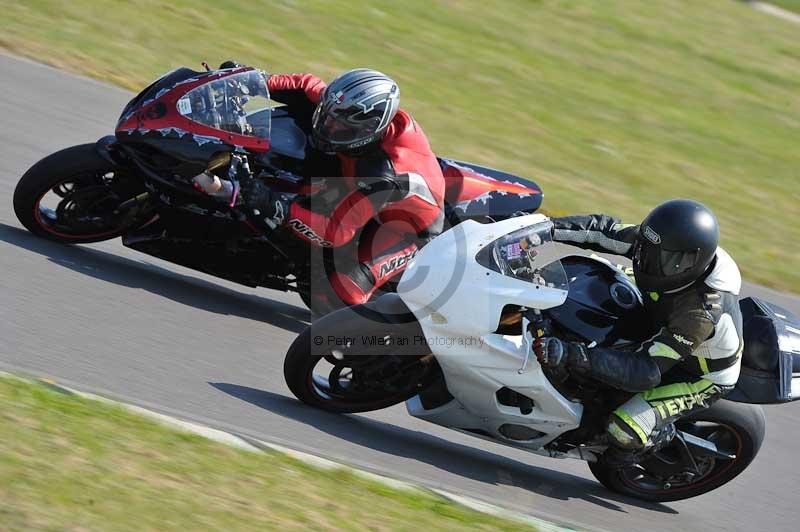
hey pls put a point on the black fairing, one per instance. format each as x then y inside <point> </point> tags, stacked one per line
<point>165,82</point>
<point>591,312</point>
<point>290,149</point>
<point>171,151</point>
<point>214,246</point>
<point>286,138</point>
<point>771,358</point>
<point>496,205</point>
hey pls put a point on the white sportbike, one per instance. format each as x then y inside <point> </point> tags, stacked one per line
<point>455,343</point>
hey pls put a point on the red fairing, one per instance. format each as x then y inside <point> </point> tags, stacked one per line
<point>311,85</point>
<point>466,184</point>
<point>148,117</point>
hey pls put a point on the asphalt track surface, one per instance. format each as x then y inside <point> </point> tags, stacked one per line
<point>107,319</point>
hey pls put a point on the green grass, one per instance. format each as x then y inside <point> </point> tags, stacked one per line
<point>71,464</point>
<point>611,106</point>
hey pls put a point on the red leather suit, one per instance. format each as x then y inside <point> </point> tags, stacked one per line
<point>381,236</point>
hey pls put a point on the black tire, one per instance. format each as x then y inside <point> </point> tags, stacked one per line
<point>307,351</point>
<point>317,307</point>
<point>305,296</point>
<point>745,421</point>
<point>48,173</point>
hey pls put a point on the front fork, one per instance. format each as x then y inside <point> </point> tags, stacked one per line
<point>132,208</point>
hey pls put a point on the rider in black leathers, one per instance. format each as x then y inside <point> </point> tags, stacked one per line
<point>690,288</point>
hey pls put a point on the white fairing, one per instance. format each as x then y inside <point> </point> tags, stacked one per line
<point>445,280</point>
<point>458,303</point>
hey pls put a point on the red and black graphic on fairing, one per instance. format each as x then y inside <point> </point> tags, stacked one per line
<point>478,192</point>
<point>159,112</point>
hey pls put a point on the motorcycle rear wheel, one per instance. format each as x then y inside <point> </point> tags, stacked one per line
<point>735,428</point>
<point>90,189</point>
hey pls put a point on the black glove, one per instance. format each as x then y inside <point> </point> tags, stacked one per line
<point>266,208</point>
<point>554,353</point>
<point>712,302</point>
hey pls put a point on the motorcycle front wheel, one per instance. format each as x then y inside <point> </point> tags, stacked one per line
<point>73,196</point>
<point>680,471</point>
<point>349,361</point>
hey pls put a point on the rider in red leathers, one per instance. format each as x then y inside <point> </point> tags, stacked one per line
<point>389,199</point>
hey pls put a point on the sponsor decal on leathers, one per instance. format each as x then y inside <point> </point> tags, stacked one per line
<point>278,217</point>
<point>395,263</point>
<point>309,233</point>
<point>672,407</point>
<point>682,340</point>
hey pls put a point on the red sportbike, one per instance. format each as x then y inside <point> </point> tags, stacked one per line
<point>215,127</point>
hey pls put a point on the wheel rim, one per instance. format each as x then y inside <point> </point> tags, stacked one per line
<point>81,206</point>
<point>347,378</point>
<point>642,477</point>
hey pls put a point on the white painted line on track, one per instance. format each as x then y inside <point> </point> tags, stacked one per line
<point>776,11</point>
<point>480,506</point>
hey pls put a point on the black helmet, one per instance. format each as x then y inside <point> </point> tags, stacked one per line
<point>675,245</point>
<point>355,110</point>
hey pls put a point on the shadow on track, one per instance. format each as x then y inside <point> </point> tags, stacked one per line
<point>462,460</point>
<point>183,289</point>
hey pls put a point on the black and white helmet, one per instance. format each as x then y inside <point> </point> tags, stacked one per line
<point>355,110</point>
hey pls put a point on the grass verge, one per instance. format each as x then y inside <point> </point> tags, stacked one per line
<point>791,5</point>
<point>68,463</point>
<point>611,106</point>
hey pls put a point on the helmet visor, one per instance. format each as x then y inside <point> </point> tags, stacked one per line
<point>337,130</point>
<point>659,262</point>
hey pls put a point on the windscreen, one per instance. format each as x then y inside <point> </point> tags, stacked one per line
<point>527,254</point>
<point>238,103</point>
<point>156,89</point>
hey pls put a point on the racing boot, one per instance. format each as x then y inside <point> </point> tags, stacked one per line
<point>618,458</point>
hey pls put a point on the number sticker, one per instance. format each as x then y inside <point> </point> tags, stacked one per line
<point>184,106</point>
<point>513,251</point>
